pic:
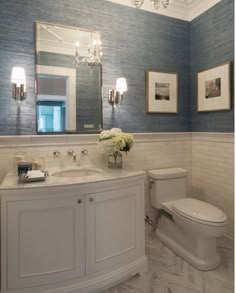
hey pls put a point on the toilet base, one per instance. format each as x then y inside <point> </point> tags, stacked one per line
<point>200,253</point>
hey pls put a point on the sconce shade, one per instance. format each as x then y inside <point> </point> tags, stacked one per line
<point>121,85</point>
<point>18,80</point>
<point>18,76</point>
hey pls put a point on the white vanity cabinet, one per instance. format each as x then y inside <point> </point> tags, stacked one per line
<point>114,227</point>
<point>45,241</point>
<point>75,238</point>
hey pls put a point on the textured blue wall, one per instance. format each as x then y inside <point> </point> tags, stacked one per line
<point>212,43</point>
<point>133,40</point>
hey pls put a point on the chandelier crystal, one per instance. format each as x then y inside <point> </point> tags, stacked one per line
<point>157,4</point>
<point>137,3</point>
<point>94,52</point>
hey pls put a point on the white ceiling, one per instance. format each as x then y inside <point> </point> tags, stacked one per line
<point>181,9</point>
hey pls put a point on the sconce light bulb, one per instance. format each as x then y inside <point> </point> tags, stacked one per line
<point>77,44</point>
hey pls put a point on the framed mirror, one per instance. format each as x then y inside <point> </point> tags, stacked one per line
<point>68,79</point>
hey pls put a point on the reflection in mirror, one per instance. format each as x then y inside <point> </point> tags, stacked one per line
<point>69,79</point>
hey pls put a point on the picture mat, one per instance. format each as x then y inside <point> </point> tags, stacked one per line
<point>165,106</point>
<point>217,103</point>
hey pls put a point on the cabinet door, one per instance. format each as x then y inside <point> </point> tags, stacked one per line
<point>114,228</point>
<point>45,240</point>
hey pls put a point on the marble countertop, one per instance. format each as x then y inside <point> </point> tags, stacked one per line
<point>11,180</point>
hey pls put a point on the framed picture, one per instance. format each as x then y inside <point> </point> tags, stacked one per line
<point>213,89</point>
<point>161,92</point>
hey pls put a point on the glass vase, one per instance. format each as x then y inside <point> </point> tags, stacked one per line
<point>115,160</point>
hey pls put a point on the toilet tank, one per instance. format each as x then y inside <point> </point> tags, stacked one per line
<point>167,185</point>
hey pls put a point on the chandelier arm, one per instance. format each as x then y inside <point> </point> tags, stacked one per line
<point>137,3</point>
<point>94,54</point>
<point>156,3</point>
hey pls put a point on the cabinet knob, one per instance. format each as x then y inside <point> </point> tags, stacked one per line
<point>91,199</point>
<point>79,201</point>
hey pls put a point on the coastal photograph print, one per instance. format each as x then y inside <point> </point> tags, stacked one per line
<point>161,92</point>
<point>213,89</point>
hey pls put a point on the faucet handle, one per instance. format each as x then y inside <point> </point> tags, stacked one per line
<point>84,152</point>
<point>56,154</point>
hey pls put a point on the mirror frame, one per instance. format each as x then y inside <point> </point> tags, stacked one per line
<point>36,84</point>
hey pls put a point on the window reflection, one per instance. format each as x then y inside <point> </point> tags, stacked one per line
<point>51,116</point>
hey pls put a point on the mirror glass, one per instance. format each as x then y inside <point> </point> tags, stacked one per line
<point>68,79</point>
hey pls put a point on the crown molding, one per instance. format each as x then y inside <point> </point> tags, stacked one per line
<point>181,9</point>
<point>197,7</point>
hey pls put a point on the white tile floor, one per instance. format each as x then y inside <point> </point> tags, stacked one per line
<point>169,273</point>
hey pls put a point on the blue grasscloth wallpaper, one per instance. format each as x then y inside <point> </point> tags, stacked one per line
<point>212,44</point>
<point>133,41</point>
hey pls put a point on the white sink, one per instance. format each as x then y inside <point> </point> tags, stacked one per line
<point>74,173</point>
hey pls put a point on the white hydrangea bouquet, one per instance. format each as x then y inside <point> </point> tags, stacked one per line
<point>113,142</point>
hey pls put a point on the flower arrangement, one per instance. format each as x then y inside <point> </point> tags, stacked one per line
<point>114,141</point>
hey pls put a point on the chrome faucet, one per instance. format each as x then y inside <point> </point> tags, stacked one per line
<point>73,154</point>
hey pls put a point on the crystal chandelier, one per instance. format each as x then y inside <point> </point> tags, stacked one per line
<point>156,3</point>
<point>94,56</point>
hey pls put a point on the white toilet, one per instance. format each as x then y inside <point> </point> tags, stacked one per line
<point>187,226</point>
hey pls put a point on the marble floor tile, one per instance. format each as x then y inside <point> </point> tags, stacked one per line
<point>214,285</point>
<point>121,289</point>
<point>169,273</point>
<point>141,283</point>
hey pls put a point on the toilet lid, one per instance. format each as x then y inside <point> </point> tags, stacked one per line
<point>168,173</point>
<point>196,209</point>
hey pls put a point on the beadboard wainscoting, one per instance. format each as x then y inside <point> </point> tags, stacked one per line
<point>150,151</point>
<point>208,157</point>
<point>213,171</point>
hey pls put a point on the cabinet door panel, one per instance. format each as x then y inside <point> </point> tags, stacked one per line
<point>45,241</point>
<point>120,214</point>
<point>113,228</point>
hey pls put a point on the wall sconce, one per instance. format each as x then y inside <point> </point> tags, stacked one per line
<point>116,96</point>
<point>18,80</point>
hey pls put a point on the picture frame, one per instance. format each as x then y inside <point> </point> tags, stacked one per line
<point>161,92</point>
<point>213,89</point>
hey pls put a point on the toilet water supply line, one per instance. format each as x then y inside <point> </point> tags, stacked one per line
<point>150,222</point>
<point>150,183</point>
<point>147,218</point>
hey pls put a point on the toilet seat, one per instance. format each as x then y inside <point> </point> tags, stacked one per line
<point>199,211</point>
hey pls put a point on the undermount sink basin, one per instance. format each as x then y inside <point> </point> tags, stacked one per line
<point>73,173</point>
